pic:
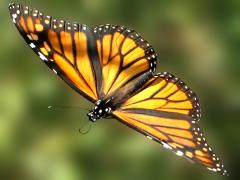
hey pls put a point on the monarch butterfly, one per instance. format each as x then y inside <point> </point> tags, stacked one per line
<point>113,67</point>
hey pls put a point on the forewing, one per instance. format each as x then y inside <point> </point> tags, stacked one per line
<point>67,48</point>
<point>124,56</point>
<point>167,111</point>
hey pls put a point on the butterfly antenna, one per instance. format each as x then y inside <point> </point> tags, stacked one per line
<point>55,107</point>
<point>85,128</point>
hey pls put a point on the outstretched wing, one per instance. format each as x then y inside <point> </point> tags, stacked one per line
<point>69,49</point>
<point>167,111</point>
<point>124,56</point>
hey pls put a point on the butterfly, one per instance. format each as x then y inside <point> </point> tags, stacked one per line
<point>113,67</point>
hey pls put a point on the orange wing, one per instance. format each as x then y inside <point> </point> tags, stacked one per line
<point>65,47</point>
<point>124,56</point>
<point>167,111</point>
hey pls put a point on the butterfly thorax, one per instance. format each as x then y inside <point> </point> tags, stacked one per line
<point>101,109</point>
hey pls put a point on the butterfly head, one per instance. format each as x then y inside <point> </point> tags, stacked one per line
<point>100,110</point>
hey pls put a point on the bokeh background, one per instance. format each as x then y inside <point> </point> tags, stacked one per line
<point>198,41</point>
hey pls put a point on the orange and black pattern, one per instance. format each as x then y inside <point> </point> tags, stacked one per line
<point>167,111</point>
<point>94,62</point>
<point>62,45</point>
<point>124,55</point>
<point>113,67</point>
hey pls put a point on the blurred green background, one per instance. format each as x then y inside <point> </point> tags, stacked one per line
<point>198,41</point>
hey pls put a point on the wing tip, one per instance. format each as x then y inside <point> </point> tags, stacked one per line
<point>220,170</point>
<point>12,7</point>
<point>16,10</point>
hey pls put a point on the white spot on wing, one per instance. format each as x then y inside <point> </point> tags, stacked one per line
<point>32,45</point>
<point>149,137</point>
<point>212,169</point>
<point>166,145</point>
<point>29,37</point>
<point>179,153</point>
<point>54,71</point>
<point>42,56</point>
<point>14,16</point>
